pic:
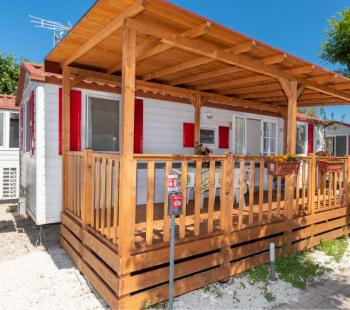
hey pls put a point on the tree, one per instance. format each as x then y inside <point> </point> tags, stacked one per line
<point>9,73</point>
<point>337,45</point>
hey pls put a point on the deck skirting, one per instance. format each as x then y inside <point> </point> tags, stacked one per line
<point>140,279</point>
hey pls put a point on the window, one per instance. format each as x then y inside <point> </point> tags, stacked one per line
<point>103,124</point>
<point>269,138</point>
<point>338,145</point>
<point>27,127</point>
<point>207,136</point>
<point>2,121</point>
<point>301,141</point>
<point>14,130</point>
<point>239,135</point>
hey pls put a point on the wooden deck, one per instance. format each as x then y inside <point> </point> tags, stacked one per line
<point>213,242</point>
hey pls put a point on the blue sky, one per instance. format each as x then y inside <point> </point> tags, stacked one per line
<point>296,26</point>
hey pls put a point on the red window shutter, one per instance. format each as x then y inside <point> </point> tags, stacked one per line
<point>138,127</point>
<point>310,139</point>
<point>75,120</point>
<point>188,134</point>
<point>224,137</point>
<point>32,123</point>
<point>22,126</point>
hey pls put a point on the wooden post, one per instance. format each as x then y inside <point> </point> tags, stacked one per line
<point>127,186</point>
<point>291,90</point>
<point>86,190</point>
<point>65,134</point>
<point>197,102</point>
<point>312,180</point>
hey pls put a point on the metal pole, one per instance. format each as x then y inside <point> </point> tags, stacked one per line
<point>272,262</point>
<point>171,266</point>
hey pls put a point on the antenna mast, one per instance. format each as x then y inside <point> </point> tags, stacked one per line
<point>57,28</point>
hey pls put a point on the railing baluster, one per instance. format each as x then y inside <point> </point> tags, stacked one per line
<point>97,194</point>
<point>103,197</point>
<point>241,193</point>
<point>116,201</point>
<point>109,197</point>
<point>261,190</point>
<point>166,220</point>
<point>182,229</point>
<point>211,197</point>
<point>150,202</point>
<point>251,191</point>
<point>303,184</point>
<point>269,199</point>
<point>279,185</point>
<point>197,200</point>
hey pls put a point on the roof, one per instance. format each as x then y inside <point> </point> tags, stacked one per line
<point>309,119</point>
<point>182,49</point>
<point>7,102</point>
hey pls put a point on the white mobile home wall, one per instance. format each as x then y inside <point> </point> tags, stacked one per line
<point>162,133</point>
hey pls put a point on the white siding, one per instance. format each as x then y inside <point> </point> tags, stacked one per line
<point>163,133</point>
<point>337,129</point>
<point>53,171</point>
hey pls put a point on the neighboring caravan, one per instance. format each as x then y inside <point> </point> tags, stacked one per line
<point>9,142</point>
<point>158,130</point>
<point>338,138</point>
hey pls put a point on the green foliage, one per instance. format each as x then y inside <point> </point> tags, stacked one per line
<point>337,45</point>
<point>213,290</point>
<point>259,274</point>
<point>269,296</point>
<point>298,269</point>
<point>310,111</point>
<point>335,248</point>
<point>9,73</point>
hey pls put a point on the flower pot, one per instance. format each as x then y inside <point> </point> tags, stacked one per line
<point>283,168</point>
<point>330,165</point>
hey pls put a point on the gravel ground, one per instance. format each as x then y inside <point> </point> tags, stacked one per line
<point>38,277</point>
<point>44,277</point>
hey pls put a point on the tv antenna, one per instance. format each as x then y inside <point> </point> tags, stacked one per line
<point>57,28</point>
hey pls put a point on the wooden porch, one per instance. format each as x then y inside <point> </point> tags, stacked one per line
<point>215,240</point>
<point>154,49</point>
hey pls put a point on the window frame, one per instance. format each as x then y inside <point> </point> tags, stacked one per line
<point>306,138</point>
<point>333,136</point>
<point>85,125</point>
<point>269,153</point>
<point>3,146</point>
<point>260,118</point>
<point>9,130</point>
<point>214,129</point>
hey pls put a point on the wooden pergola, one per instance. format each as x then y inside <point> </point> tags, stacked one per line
<point>154,48</point>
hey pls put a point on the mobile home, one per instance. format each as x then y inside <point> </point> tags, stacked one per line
<point>125,97</point>
<point>9,146</point>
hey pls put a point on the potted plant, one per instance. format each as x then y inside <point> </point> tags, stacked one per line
<point>329,164</point>
<point>283,164</point>
<point>202,150</point>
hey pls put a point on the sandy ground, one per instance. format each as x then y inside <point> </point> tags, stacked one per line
<point>38,277</point>
<point>44,277</point>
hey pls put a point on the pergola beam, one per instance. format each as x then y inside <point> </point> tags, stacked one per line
<point>152,87</point>
<point>205,75</point>
<point>152,46</point>
<point>276,59</point>
<point>116,23</point>
<point>215,53</point>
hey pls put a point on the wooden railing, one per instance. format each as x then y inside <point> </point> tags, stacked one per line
<point>73,182</point>
<point>221,194</point>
